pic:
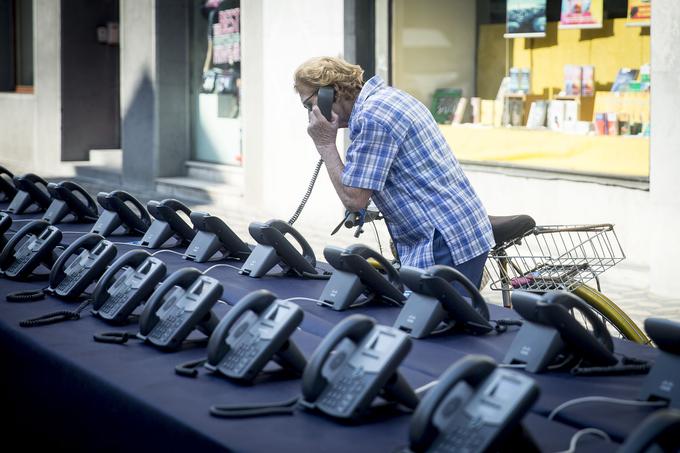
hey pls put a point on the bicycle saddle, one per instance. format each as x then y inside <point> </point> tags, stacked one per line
<point>31,191</point>
<point>70,198</point>
<point>509,228</point>
<point>7,189</point>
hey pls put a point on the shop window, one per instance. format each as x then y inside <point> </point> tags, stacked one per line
<point>555,85</point>
<point>16,46</point>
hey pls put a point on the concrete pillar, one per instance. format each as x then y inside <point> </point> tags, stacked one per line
<point>47,35</point>
<point>664,185</point>
<point>154,85</point>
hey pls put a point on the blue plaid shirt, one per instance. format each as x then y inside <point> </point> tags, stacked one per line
<point>399,153</point>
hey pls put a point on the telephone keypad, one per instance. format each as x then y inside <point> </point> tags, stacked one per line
<point>241,356</point>
<point>463,437</point>
<point>168,326</point>
<point>69,281</point>
<point>344,390</point>
<point>113,304</point>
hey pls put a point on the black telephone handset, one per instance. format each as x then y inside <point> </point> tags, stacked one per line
<point>117,212</point>
<point>552,333</point>
<point>474,407</point>
<point>354,276</point>
<point>274,248</point>
<point>7,189</point>
<point>256,330</point>
<point>182,303</point>
<point>213,236</point>
<point>434,300</point>
<point>167,224</point>
<point>356,362</point>
<point>68,198</point>
<point>658,433</point>
<point>118,294</point>
<point>31,191</point>
<point>91,254</point>
<point>30,247</point>
<point>5,224</point>
<point>324,100</point>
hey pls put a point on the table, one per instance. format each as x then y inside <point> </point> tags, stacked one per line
<point>67,391</point>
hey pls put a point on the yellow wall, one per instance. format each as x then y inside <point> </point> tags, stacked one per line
<point>610,48</point>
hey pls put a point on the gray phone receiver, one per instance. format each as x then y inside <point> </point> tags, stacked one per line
<point>324,100</point>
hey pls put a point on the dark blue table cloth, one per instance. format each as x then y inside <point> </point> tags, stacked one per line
<point>92,396</point>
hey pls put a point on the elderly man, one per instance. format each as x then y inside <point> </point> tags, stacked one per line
<point>399,158</point>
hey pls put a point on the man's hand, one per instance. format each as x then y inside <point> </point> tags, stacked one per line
<point>322,131</point>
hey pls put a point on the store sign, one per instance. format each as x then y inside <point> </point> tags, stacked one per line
<point>581,14</point>
<point>525,19</point>
<point>227,37</point>
<point>639,13</point>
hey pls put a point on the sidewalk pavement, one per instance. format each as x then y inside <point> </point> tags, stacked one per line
<point>626,285</point>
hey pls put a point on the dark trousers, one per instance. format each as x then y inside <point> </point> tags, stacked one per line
<point>472,269</point>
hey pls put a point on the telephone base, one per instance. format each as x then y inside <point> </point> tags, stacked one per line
<point>660,382</point>
<point>158,234</point>
<point>21,202</point>
<point>56,212</point>
<point>107,223</point>
<point>535,345</point>
<point>261,260</point>
<point>341,291</point>
<point>420,315</point>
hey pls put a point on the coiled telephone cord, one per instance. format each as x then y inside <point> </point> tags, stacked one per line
<point>308,193</point>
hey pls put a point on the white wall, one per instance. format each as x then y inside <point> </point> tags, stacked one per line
<point>17,112</point>
<point>664,223</point>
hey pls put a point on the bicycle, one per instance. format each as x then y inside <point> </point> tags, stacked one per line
<point>558,257</point>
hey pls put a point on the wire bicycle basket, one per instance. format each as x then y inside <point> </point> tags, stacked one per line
<point>554,257</point>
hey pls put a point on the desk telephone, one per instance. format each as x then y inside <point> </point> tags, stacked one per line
<point>434,300</point>
<point>5,224</point>
<point>658,433</point>
<point>354,363</point>
<point>91,254</point>
<point>256,330</point>
<point>7,189</point>
<point>274,248</point>
<point>552,335</point>
<point>118,211</point>
<point>213,236</point>
<point>182,303</point>
<point>68,198</point>
<point>475,407</point>
<point>167,224</point>
<point>663,381</point>
<point>30,247</point>
<point>31,191</point>
<point>118,294</point>
<point>353,276</point>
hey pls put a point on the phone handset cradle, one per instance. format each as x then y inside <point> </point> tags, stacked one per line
<point>213,236</point>
<point>69,198</point>
<point>551,334</point>
<point>5,224</point>
<point>274,248</point>
<point>182,303</point>
<point>167,224</point>
<point>474,406</point>
<point>30,247</point>
<point>353,276</point>
<point>663,381</point>
<point>118,213</point>
<point>434,300</point>
<point>356,362</point>
<point>31,191</point>
<point>118,294</point>
<point>7,189</point>
<point>256,330</point>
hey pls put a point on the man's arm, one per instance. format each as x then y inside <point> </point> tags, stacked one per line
<point>323,134</point>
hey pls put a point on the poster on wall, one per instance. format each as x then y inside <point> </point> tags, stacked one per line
<point>639,13</point>
<point>525,19</point>
<point>581,14</point>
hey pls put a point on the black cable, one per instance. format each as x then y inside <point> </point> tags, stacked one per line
<point>31,295</point>
<point>308,193</point>
<point>286,407</point>
<point>626,366</point>
<point>377,237</point>
<point>190,368</point>
<point>503,324</point>
<point>325,276</point>
<point>56,317</point>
